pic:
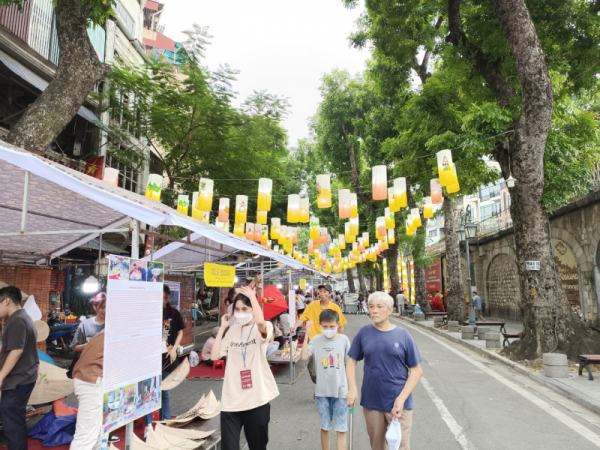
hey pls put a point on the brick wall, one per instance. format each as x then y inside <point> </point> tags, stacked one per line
<point>186,302</point>
<point>32,280</point>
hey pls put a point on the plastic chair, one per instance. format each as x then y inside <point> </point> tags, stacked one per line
<point>219,364</point>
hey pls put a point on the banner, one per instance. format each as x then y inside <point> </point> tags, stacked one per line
<point>302,283</point>
<point>433,277</point>
<point>94,167</point>
<point>133,340</point>
<point>218,275</point>
<point>174,296</point>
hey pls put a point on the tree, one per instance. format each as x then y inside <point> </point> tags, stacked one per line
<point>78,72</point>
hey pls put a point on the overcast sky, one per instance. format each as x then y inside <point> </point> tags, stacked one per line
<point>282,46</point>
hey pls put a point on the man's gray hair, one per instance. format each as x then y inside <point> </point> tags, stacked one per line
<point>214,332</point>
<point>381,296</point>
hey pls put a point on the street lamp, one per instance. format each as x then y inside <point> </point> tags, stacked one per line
<point>468,230</point>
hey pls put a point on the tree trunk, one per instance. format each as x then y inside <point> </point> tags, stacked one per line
<point>351,285</point>
<point>391,255</point>
<point>454,280</point>
<point>362,286</point>
<point>79,69</point>
<point>420,284</point>
<point>549,323</point>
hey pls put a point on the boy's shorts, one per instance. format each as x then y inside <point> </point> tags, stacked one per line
<point>333,409</point>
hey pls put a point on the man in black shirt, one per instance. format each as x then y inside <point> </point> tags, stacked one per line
<point>19,364</point>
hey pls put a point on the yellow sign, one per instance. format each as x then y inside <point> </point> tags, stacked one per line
<point>217,275</point>
<point>302,283</point>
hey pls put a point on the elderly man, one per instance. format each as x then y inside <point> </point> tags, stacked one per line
<point>386,349</point>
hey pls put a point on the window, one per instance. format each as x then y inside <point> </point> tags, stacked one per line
<point>488,211</point>
<point>433,233</point>
<point>489,192</point>
<point>124,16</point>
<point>128,177</point>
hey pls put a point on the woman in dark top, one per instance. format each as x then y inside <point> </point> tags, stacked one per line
<point>173,327</point>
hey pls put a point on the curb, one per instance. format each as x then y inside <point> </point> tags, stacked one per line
<point>567,391</point>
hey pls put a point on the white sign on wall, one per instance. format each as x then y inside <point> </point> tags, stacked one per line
<point>532,265</point>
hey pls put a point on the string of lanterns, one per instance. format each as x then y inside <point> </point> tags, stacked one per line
<point>283,237</point>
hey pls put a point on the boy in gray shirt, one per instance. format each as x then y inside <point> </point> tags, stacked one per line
<point>330,350</point>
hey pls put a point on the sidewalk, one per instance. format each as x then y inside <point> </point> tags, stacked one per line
<point>577,388</point>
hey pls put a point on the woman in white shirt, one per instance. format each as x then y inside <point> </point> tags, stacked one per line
<point>300,301</point>
<point>249,385</point>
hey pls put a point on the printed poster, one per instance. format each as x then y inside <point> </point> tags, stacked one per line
<point>174,296</point>
<point>133,340</point>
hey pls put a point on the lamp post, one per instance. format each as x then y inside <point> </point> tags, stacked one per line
<point>468,230</point>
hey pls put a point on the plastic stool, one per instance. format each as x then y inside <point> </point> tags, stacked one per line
<point>219,364</point>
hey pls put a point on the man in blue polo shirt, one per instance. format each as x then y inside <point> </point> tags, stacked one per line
<point>392,370</point>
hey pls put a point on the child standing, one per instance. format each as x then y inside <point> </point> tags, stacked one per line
<point>330,351</point>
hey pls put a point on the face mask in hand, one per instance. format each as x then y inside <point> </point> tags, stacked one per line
<point>330,333</point>
<point>242,318</point>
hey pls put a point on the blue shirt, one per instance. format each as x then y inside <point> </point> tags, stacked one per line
<point>477,300</point>
<point>388,355</point>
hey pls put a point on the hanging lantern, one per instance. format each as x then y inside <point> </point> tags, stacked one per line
<point>453,186</point>
<point>205,216</point>
<point>275,228</point>
<point>206,194</point>
<point>222,225</point>
<point>311,249</point>
<point>293,211</point>
<point>323,191</point>
<point>276,248</point>
<point>427,208</point>
<point>294,235</point>
<point>437,197</point>
<point>342,241</point>
<point>400,196</point>
<point>344,199</point>
<point>241,208</point>
<point>223,209</point>
<point>409,231</point>
<point>154,186</point>
<point>282,235</point>
<point>265,189</point>
<point>445,167</point>
<point>379,174</point>
<point>304,215</point>
<point>250,231</point>
<point>416,217</point>
<point>332,249</point>
<point>391,236</point>
<point>183,202</point>
<point>392,202</point>
<point>196,213</point>
<point>365,237</point>
<point>257,233</point>
<point>261,217</point>
<point>354,226</point>
<point>238,229</point>
<point>314,228</point>
<point>380,228</point>
<point>264,236</point>
<point>384,243</point>
<point>353,206</point>
<point>390,222</point>
<point>349,237</point>
<point>360,245</point>
<point>323,235</point>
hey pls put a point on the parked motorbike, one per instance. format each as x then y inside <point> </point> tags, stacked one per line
<point>60,338</point>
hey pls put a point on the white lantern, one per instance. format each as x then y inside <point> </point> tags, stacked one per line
<point>265,188</point>
<point>344,201</point>
<point>379,174</point>
<point>241,208</point>
<point>293,212</point>
<point>323,191</point>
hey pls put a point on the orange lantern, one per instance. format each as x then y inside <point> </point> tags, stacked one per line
<point>344,200</point>
<point>380,227</point>
<point>379,180</point>
<point>436,192</point>
<point>250,231</point>
<point>223,209</point>
<point>324,236</point>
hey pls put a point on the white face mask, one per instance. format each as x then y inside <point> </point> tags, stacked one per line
<point>243,318</point>
<point>330,333</point>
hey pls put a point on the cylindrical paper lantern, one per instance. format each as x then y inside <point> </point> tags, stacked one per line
<point>154,187</point>
<point>205,188</point>
<point>445,167</point>
<point>275,228</point>
<point>392,202</point>
<point>350,238</point>
<point>282,235</point>
<point>344,199</point>
<point>223,209</point>
<point>314,229</point>
<point>400,193</point>
<point>304,215</point>
<point>241,208</point>
<point>342,241</point>
<point>323,191</point>
<point>379,174</point>
<point>391,236</point>
<point>353,205</point>
<point>250,231</point>
<point>294,235</point>
<point>238,229</point>
<point>257,233</point>
<point>436,192</point>
<point>261,217</point>
<point>111,176</point>
<point>293,211</point>
<point>311,249</point>
<point>264,233</point>
<point>390,222</point>
<point>323,235</point>
<point>361,245</point>
<point>183,203</point>
<point>354,226</point>
<point>453,186</point>
<point>265,188</point>
<point>380,227</point>
<point>427,208</point>
<point>365,237</point>
<point>416,217</point>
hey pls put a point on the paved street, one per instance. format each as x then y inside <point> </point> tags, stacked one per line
<point>464,402</point>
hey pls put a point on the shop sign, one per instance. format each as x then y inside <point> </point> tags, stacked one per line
<point>218,275</point>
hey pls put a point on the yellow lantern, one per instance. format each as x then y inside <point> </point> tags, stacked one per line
<point>238,229</point>
<point>445,167</point>
<point>222,225</point>
<point>261,217</point>
<point>453,186</point>
<point>183,203</point>
<point>314,229</point>
<point>393,204</point>
<point>354,227</point>
<point>282,235</point>
<point>323,191</point>
<point>264,237</point>
<point>380,228</point>
<point>349,237</point>
<point>409,231</point>
<point>205,216</point>
<point>265,189</point>
<point>365,237</point>
<point>400,196</point>
<point>416,217</point>
<point>342,241</point>
<point>275,228</point>
<point>353,206</point>
<point>293,212</point>
<point>205,188</point>
<point>391,237</point>
<point>437,197</point>
<point>427,208</point>
<point>379,174</point>
<point>344,200</point>
<point>223,209</point>
<point>384,243</point>
<point>241,208</point>
<point>390,222</point>
<point>304,215</point>
<point>154,186</point>
<point>196,213</point>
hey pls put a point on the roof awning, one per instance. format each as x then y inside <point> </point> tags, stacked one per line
<point>39,83</point>
<point>65,208</point>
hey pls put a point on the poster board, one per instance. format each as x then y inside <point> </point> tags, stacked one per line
<point>133,338</point>
<point>175,295</point>
<point>433,277</point>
